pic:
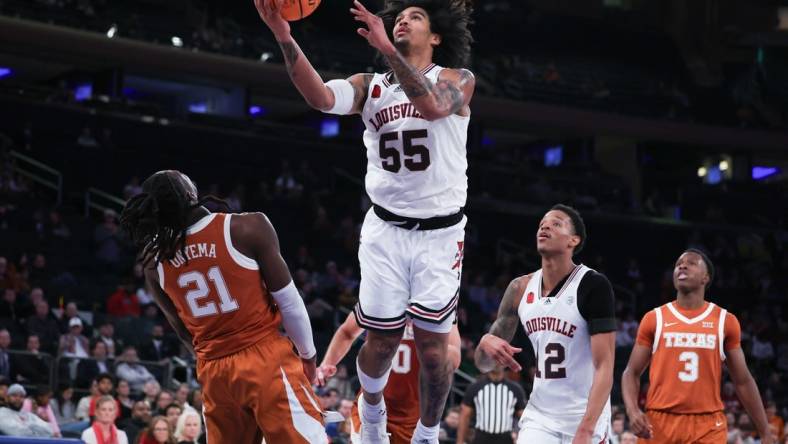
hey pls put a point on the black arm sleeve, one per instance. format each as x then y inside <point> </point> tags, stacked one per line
<point>597,303</point>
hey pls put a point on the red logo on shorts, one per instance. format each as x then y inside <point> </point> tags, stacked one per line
<point>460,254</point>
<point>376,91</point>
<point>530,298</point>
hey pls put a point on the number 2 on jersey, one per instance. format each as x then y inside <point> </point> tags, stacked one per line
<point>556,354</point>
<point>200,290</point>
<point>417,156</point>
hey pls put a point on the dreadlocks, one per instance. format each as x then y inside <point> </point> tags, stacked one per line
<point>157,219</point>
<point>451,19</point>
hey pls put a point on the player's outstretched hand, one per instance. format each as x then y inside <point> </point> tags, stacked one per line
<point>500,351</point>
<point>769,438</point>
<point>324,372</point>
<point>641,427</point>
<point>310,369</point>
<point>583,437</point>
<point>375,32</point>
<point>271,13</point>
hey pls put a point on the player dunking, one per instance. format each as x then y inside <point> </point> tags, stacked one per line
<point>402,388</point>
<point>206,269</point>
<point>568,312</point>
<point>686,342</point>
<point>411,249</point>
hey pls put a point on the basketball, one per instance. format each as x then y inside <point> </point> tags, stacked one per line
<point>293,10</point>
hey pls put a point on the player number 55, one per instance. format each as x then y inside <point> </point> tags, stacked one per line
<point>417,155</point>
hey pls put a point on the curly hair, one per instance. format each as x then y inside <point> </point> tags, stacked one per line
<point>157,219</point>
<point>451,19</point>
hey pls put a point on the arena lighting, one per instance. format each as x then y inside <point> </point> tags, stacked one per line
<point>257,110</point>
<point>4,72</point>
<point>702,172</point>
<point>329,127</point>
<point>198,108</point>
<point>112,31</point>
<point>553,156</point>
<point>724,165</point>
<point>762,172</point>
<point>83,92</point>
<point>177,42</point>
<point>266,56</point>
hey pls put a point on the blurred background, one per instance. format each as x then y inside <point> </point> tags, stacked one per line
<point>664,122</point>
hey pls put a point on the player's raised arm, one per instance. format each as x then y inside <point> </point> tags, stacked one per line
<point>336,96</point>
<point>253,231</point>
<point>340,344</point>
<point>449,95</point>
<point>494,347</point>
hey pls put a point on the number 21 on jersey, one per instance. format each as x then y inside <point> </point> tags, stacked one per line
<point>198,287</point>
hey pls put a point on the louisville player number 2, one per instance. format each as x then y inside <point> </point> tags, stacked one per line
<point>201,290</point>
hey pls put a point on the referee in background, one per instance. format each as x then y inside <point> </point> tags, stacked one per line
<point>496,401</point>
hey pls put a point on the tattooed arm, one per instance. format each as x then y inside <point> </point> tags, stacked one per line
<point>451,94</point>
<point>494,348</point>
<point>305,78</point>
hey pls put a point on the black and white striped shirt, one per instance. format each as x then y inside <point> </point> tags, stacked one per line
<point>495,404</point>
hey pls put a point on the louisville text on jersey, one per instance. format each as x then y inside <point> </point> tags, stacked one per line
<point>394,112</point>
<point>550,323</point>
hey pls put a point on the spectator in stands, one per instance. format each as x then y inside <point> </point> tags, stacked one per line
<point>74,344</point>
<point>195,399</point>
<point>629,438</point>
<point>775,419</point>
<point>86,138</point>
<point>617,429</point>
<point>6,369</point>
<point>8,276</point>
<point>151,390</point>
<point>144,292</point>
<point>123,302</point>
<point>150,318</point>
<point>83,406</point>
<point>103,429</point>
<point>105,384</point>
<point>449,425</point>
<point>158,348</point>
<point>11,311</point>
<point>172,412</point>
<point>44,325</point>
<point>39,405</point>
<point>31,368</point>
<point>107,336</point>
<point>131,370</point>
<point>109,243</point>
<point>88,369</point>
<point>158,432</point>
<point>132,188</point>
<point>163,399</point>
<point>189,427</point>
<point>123,395</point>
<point>140,417</point>
<point>63,405</point>
<point>15,422</point>
<point>71,311</point>
<point>182,395</point>
<point>329,397</point>
<point>4,383</point>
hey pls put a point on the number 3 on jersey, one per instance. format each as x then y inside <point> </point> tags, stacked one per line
<point>690,360</point>
<point>200,290</point>
<point>417,156</point>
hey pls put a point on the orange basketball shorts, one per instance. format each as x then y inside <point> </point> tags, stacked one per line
<point>669,428</point>
<point>260,391</point>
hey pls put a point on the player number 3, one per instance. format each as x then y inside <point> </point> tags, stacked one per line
<point>690,360</point>
<point>200,290</point>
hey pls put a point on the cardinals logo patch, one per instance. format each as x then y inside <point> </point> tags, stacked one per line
<point>376,91</point>
<point>530,298</point>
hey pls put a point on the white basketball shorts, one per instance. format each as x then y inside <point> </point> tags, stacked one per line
<point>409,273</point>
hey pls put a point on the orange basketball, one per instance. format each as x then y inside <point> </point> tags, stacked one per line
<point>294,10</point>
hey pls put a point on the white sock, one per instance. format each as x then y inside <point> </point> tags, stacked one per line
<point>373,414</point>
<point>422,433</point>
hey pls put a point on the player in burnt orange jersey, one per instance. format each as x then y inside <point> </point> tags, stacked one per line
<point>402,389</point>
<point>212,273</point>
<point>686,341</point>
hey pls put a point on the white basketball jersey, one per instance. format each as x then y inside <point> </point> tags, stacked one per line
<point>415,168</point>
<point>565,369</point>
